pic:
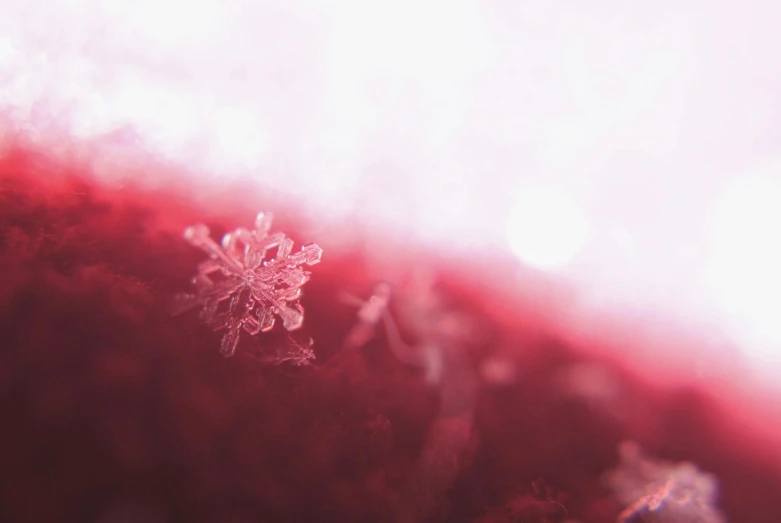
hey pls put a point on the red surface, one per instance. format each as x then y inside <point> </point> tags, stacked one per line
<point>112,409</point>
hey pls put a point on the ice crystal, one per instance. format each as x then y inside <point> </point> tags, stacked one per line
<point>661,491</point>
<point>541,505</point>
<point>296,354</point>
<point>244,273</point>
<point>370,313</point>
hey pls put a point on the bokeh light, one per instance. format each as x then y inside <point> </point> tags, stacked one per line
<point>546,229</point>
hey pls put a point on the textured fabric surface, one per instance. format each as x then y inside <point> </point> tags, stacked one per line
<point>114,411</point>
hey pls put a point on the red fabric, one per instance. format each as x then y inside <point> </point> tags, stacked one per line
<point>114,411</point>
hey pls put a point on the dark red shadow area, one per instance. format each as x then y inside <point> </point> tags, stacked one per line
<point>114,411</point>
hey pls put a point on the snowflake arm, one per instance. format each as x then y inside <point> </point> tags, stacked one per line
<point>249,288</point>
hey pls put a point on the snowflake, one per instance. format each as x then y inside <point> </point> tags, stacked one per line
<point>255,285</point>
<point>661,491</point>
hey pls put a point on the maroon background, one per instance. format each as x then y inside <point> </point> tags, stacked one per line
<point>114,411</point>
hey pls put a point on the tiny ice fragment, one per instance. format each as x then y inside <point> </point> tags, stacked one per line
<point>296,354</point>
<point>663,491</point>
<point>369,314</point>
<point>241,286</point>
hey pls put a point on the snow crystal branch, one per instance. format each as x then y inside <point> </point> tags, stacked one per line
<point>296,354</point>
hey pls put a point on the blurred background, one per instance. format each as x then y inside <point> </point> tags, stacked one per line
<point>623,155</point>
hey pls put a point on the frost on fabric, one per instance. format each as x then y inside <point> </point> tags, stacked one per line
<point>243,285</point>
<point>663,491</point>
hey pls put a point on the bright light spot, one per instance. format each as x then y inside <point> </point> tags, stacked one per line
<point>744,263</point>
<point>546,228</point>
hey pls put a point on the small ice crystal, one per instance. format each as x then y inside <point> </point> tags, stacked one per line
<point>243,273</point>
<point>662,491</point>
<point>370,313</point>
<point>295,354</point>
